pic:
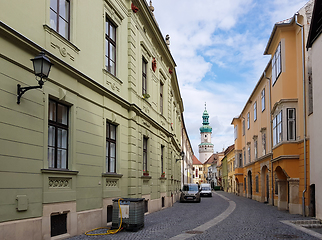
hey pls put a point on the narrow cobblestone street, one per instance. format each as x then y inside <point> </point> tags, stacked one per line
<point>224,216</point>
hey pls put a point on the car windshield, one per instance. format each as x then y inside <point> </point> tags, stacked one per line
<point>190,188</point>
<point>205,188</point>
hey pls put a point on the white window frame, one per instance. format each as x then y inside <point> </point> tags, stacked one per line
<point>277,64</point>
<point>235,132</point>
<point>278,128</point>
<point>291,124</point>
<point>255,111</point>
<point>248,120</point>
<point>263,99</point>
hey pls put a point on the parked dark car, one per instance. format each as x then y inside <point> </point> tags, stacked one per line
<point>190,193</point>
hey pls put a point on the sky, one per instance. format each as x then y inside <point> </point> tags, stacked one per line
<point>218,48</point>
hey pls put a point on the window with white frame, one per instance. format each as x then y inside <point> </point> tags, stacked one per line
<point>255,111</point>
<point>248,120</point>
<point>240,158</point>
<point>276,64</point>
<point>277,129</point>
<point>263,99</point>
<point>249,153</point>
<point>291,124</point>
<point>255,148</point>
<point>264,143</point>
<point>235,132</point>
<point>244,127</point>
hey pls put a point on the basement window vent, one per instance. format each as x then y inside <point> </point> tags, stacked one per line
<point>58,224</point>
<point>109,213</point>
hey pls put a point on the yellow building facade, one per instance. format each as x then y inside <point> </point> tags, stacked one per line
<point>271,141</point>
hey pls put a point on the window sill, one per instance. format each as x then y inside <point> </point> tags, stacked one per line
<point>112,175</point>
<point>61,38</point>
<point>59,171</point>
<point>146,177</point>
<point>112,76</point>
<point>163,178</point>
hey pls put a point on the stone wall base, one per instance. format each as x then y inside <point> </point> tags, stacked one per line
<point>295,208</point>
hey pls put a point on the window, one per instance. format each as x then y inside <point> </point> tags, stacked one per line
<point>144,80</point>
<point>57,135</point>
<point>248,122</point>
<point>244,156</point>
<point>161,98</point>
<point>110,147</point>
<point>197,173</point>
<point>110,45</point>
<point>145,154</point>
<point>249,154</point>
<point>277,129</point>
<point>255,111</point>
<point>240,157</point>
<point>60,17</point>
<point>200,169</point>
<point>263,99</point>
<point>291,126</point>
<point>235,132</point>
<point>162,151</point>
<point>310,94</point>
<point>264,143</point>
<point>244,127</point>
<point>255,148</point>
<point>276,64</point>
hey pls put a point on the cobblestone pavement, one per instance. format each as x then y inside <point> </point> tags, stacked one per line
<point>239,218</point>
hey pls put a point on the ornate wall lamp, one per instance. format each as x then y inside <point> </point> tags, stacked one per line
<point>182,155</point>
<point>42,67</point>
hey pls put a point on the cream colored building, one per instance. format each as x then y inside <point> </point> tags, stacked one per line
<point>231,181</point>
<point>314,44</point>
<point>186,165</point>
<point>106,123</point>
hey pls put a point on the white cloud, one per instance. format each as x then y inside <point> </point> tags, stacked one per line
<point>228,36</point>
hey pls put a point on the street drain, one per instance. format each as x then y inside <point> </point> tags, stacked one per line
<point>283,236</point>
<point>194,232</point>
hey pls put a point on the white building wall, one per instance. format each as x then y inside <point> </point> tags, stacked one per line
<point>315,128</point>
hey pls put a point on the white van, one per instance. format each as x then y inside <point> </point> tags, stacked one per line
<point>205,190</point>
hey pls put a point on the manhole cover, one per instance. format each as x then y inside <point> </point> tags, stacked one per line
<point>283,236</point>
<point>194,232</point>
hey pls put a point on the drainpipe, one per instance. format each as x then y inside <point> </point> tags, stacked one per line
<point>245,151</point>
<point>304,113</point>
<point>271,134</point>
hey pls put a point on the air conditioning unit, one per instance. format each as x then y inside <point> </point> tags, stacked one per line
<point>132,214</point>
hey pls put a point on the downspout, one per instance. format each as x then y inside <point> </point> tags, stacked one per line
<point>271,134</point>
<point>304,114</point>
<point>243,154</point>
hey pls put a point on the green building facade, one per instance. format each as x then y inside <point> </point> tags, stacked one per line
<point>106,123</point>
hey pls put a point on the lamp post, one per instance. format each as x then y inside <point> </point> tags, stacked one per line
<point>42,67</point>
